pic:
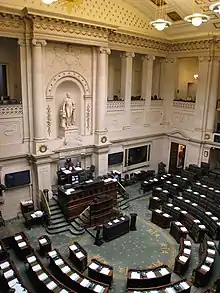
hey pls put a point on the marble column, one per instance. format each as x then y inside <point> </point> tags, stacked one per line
<point>101,90</point>
<point>126,84</point>
<point>24,91</point>
<point>201,94</point>
<point>38,90</point>
<point>147,78</point>
<point>212,97</point>
<point>167,87</point>
<point>111,78</point>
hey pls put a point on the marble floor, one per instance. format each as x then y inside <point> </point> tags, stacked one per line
<point>148,246</point>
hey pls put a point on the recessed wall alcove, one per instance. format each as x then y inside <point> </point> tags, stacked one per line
<point>76,85</point>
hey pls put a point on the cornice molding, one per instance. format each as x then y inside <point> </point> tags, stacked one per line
<point>68,30</point>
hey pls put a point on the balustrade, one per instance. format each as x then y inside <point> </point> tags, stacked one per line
<point>184,105</point>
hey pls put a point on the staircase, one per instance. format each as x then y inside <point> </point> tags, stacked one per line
<point>58,223</point>
<point>83,219</point>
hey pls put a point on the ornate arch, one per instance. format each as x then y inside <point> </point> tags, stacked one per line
<point>57,79</point>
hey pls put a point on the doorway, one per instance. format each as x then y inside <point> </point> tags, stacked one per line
<point>177,157</point>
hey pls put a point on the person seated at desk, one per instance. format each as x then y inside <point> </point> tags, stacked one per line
<point>69,164</point>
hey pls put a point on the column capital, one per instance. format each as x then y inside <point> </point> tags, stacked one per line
<point>104,50</point>
<point>127,55</point>
<point>21,42</point>
<point>148,57</point>
<point>39,43</point>
<point>168,60</point>
<point>204,58</point>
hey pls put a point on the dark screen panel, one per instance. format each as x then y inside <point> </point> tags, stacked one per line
<point>116,158</point>
<point>137,155</point>
<point>17,179</point>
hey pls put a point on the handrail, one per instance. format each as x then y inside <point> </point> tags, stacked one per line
<point>121,186</point>
<point>45,203</point>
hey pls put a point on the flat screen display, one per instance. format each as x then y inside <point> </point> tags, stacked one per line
<point>17,179</point>
<point>116,158</point>
<point>137,155</point>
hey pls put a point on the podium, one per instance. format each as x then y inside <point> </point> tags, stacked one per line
<point>133,222</point>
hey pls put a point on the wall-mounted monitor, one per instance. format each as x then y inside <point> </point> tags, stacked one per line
<point>137,155</point>
<point>115,159</point>
<point>17,179</point>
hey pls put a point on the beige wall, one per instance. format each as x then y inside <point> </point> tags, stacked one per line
<point>187,67</point>
<point>9,55</point>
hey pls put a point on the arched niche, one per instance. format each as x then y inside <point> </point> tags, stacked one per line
<point>75,84</point>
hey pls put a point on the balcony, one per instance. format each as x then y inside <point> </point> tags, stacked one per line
<point>115,106</point>
<point>137,105</point>
<point>157,103</point>
<point>11,111</point>
<point>184,105</point>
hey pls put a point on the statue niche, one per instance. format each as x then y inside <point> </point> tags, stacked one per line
<point>68,112</point>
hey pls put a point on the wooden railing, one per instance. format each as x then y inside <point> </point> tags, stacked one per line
<point>44,204</point>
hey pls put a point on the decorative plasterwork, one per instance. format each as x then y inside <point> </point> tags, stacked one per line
<point>66,74</point>
<point>11,23</point>
<point>10,111</point>
<point>200,45</point>
<point>178,134</point>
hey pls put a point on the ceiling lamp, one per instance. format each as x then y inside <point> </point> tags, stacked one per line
<point>160,24</point>
<point>215,7</point>
<point>69,4</point>
<point>197,18</point>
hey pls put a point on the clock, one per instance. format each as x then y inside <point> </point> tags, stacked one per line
<point>103,139</point>
<point>43,148</point>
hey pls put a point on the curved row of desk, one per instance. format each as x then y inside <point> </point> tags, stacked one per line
<point>71,277</point>
<point>182,259</point>
<point>147,278</point>
<point>205,217</point>
<point>181,286</point>
<point>202,273</point>
<point>192,224</point>
<point>10,278</point>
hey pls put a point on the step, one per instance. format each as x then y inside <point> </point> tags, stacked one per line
<point>125,207</point>
<point>76,226</point>
<point>52,204</point>
<point>59,225</point>
<point>58,221</point>
<point>54,208</point>
<point>58,230</point>
<point>56,212</point>
<point>56,216</point>
<point>75,232</point>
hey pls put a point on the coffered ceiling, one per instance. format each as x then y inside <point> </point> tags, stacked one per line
<point>130,16</point>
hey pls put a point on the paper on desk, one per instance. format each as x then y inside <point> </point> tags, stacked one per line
<point>170,290</point>
<point>74,277</point>
<point>116,221</point>
<point>209,259</point>
<point>85,283</point>
<point>93,266</point>
<point>205,268</point>
<point>36,268</point>
<point>105,271</point>
<point>52,285</point>
<point>66,269</point>
<point>109,223</point>
<point>135,275</point>
<point>184,285</point>
<point>67,172</point>
<point>186,251</point>
<point>19,237</point>
<point>43,241</point>
<point>211,251</point>
<point>164,271</point>
<point>9,274</point>
<point>4,265</point>
<point>79,254</point>
<point>73,247</point>
<point>13,282</point>
<point>31,259</point>
<point>150,275</point>
<point>210,243</point>
<point>183,258</point>
<point>187,243</point>
<point>52,253</point>
<point>59,262</point>
<point>99,289</point>
<point>42,277</point>
<point>22,244</point>
<point>183,229</point>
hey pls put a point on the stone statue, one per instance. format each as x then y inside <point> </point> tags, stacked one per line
<point>67,112</point>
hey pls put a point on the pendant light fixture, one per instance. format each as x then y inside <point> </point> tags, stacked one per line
<point>196,19</point>
<point>69,4</point>
<point>160,23</point>
<point>215,7</point>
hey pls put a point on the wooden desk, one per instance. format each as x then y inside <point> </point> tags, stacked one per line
<point>181,286</point>
<point>10,278</point>
<point>21,245</point>
<point>78,256</point>
<point>26,206</point>
<point>182,259</point>
<point>42,280</point>
<point>178,231</point>
<point>161,219</point>
<point>100,272</point>
<point>116,228</point>
<point>148,278</point>
<point>154,203</point>
<point>73,278</point>
<point>77,199</point>
<point>3,252</point>
<point>44,245</point>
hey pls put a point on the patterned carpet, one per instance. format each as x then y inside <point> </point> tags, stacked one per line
<point>148,246</point>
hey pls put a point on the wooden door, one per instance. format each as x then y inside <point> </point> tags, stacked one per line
<point>173,157</point>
